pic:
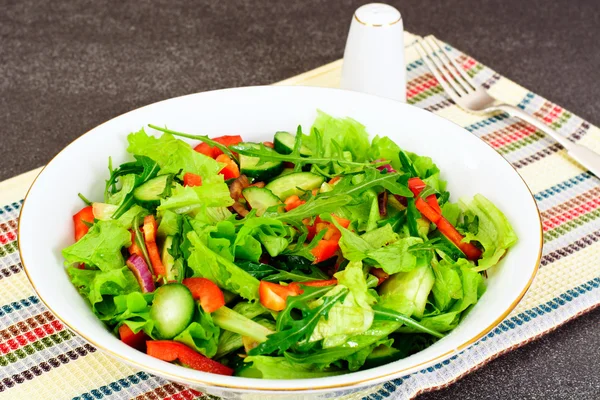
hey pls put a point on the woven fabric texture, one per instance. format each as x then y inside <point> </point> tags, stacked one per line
<point>41,358</point>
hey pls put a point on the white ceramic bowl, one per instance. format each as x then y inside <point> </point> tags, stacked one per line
<point>469,165</point>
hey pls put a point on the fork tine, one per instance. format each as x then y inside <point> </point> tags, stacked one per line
<point>446,84</point>
<point>467,79</point>
<point>445,68</point>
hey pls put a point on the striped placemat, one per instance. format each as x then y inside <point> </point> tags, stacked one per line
<point>40,358</point>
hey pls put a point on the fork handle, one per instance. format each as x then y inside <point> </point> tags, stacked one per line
<point>583,155</point>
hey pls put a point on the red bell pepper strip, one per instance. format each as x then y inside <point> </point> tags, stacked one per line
<point>210,296</point>
<point>190,179</point>
<point>317,283</point>
<point>135,340</point>
<point>293,202</point>
<point>150,227</point>
<point>380,274</point>
<point>214,152</point>
<point>85,214</point>
<point>231,169</point>
<point>273,295</point>
<point>134,248</point>
<point>206,149</point>
<point>431,210</point>
<point>168,350</point>
<point>446,228</point>
<point>269,144</point>
<point>325,249</point>
<point>427,211</point>
<point>416,185</point>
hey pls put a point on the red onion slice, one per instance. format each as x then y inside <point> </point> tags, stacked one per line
<point>142,273</point>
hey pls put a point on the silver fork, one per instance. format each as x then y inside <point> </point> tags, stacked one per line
<point>475,99</point>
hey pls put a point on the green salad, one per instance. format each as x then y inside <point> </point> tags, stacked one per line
<point>310,255</point>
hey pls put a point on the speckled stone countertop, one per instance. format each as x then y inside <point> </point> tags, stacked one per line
<point>67,66</point>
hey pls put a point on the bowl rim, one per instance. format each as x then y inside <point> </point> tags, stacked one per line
<point>343,385</point>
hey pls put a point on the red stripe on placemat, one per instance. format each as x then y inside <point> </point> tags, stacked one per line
<point>571,209</point>
<point>171,391</point>
<point>420,84</point>
<point>31,336</point>
<point>509,134</point>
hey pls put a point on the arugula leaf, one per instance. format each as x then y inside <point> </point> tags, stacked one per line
<point>100,247</point>
<point>301,250</point>
<point>131,175</point>
<point>385,314</point>
<point>290,331</point>
<point>407,165</point>
<point>270,273</point>
<point>323,358</point>
<point>266,154</point>
<point>354,185</point>
<point>314,206</point>
<point>412,217</point>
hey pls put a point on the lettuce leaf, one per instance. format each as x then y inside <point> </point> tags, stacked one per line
<point>407,292</point>
<point>351,316</point>
<point>101,287</point>
<point>395,257</point>
<point>201,334</point>
<point>384,148</point>
<point>495,233</point>
<point>173,155</point>
<point>184,199</point>
<point>473,287</point>
<point>348,134</point>
<point>447,286</point>
<point>127,185</point>
<point>100,247</point>
<point>206,263</point>
<point>133,309</point>
<point>266,367</point>
<point>269,232</point>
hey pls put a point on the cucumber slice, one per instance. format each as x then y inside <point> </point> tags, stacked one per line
<point>172,309</point>
<point>284,144</point>
<point>296,183</point>
<point>249,166</point>
<point>155,189</point>
<point>174,267</point>
<point>260,199</point>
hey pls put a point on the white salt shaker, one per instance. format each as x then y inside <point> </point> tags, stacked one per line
<point>374,55</point>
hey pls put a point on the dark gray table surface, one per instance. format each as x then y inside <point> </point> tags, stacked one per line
<point>66,67</point>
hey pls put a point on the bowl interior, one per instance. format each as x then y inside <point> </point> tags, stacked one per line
<point>469,165</point>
